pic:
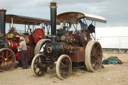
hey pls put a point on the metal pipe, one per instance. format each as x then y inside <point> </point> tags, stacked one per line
<point>2,22</point>
<point>53,20</point>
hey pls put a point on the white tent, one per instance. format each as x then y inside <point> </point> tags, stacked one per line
<point>113,37</point>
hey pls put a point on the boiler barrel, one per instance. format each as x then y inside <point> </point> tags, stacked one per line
<point>52,49</point>
<point>56,49</point>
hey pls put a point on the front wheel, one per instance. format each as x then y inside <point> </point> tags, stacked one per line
<point>63,67</point>
<point>38,65</point>
<point>7,59</point>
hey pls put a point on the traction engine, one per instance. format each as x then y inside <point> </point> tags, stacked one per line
<point>63,49</point>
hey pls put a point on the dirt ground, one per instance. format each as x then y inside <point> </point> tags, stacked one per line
<point>109,75</point>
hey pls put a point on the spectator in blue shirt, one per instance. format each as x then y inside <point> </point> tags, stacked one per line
<point>83,25</point>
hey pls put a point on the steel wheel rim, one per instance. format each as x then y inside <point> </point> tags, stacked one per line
<point>63,67</point>
<point>7,59</point>
<point>96,56</point>
<point>39,66</point>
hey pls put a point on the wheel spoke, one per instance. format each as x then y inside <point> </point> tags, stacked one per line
<point>1,57</point>
<point>1,60</point>
<point>6,54</point>
<point>62,67</point>
<point>63,70</point>
<point>95,60</point>
<point>97,64</point>
<point>4,64</point>
<point>10,55</point>
<point>10,59</point>
<point>39,72</point>
<point>3,54</point>
<point>8,63</point>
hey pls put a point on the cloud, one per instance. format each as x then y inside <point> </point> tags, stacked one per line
<point>8,4</point>
<point>76,1</point>
<point>114,10</point>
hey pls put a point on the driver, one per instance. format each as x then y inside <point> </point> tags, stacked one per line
<point>83,25</point>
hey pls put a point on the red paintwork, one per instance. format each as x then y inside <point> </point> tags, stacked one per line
<point>2,11</point>
<point>28,39</point>
<point>18,57</point>
<point>13,45</point>
<point>38,34</point>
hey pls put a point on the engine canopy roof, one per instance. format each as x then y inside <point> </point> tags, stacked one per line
<point>18,19</point>
<point>73,17</point>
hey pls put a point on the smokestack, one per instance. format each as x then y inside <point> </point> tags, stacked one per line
<point>2,21</point>
<point>53,19</point>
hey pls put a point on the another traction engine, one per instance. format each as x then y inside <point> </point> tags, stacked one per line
<point>9,42</point>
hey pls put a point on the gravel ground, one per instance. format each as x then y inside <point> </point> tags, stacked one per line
<point>109,75</point>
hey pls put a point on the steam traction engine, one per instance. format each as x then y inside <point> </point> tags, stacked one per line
<point>65,48</point>
<point>10,41</point>
<point>7,56</point>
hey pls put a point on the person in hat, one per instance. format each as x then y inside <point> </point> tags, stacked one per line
<point>23,50</point>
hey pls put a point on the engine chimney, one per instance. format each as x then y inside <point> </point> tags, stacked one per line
<point>2,22</point>
<point>53,20</point>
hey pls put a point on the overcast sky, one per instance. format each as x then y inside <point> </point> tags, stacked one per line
<point>115,11</point>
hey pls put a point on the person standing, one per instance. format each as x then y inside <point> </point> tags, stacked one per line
<point>23,51</point>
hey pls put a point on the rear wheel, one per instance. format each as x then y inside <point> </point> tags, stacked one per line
<point>93,56</point>
<point>39,45</point>
<point>38,34</point>
<point>63,67</point>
